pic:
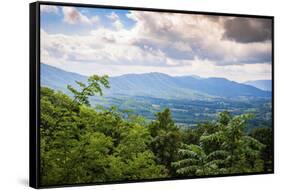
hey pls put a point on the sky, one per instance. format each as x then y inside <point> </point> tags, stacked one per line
<point>116,42</point>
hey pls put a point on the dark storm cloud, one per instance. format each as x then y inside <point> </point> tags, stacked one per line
<point>247,30</point>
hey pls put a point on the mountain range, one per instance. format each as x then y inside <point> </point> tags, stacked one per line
<point>261,84</point>
<point>157,85</point>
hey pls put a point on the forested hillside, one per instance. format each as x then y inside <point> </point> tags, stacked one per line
<point>157,85</point>
<point>83,144</point>
<point>191,99</point>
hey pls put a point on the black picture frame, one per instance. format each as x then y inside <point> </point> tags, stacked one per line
<point>34,88</point>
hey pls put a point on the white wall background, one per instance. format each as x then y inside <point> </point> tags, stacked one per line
<point>14,93</point>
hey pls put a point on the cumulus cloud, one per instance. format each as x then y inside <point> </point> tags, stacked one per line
<point>113,16</point>
<point>73,16</point>
<point>103,46</point>
<point>49,8</point>
<point>116,22</point>
<point>176,44</point>
<point>247,30</point>
<point>201,36</point>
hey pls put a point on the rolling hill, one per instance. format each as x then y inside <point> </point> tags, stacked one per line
<point>156,85</point>
<point>261,84</point>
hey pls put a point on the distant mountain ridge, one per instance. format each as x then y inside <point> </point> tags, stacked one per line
<point>261,84</point>
<point>156,85</point>
<point>57,78</point>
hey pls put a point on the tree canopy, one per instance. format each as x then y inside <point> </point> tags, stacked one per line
<point>83,144</point>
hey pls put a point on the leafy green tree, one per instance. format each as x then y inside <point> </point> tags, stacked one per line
<point>244,151</point>
<point>143,166</point>
<point>197,163</point>
<point>264,135</point>
<point>166,138</point>
<point>223,148</point>
<point>133,151</point>
<point>93,87</point>
<point>82,144</point>
<point>58,135</point>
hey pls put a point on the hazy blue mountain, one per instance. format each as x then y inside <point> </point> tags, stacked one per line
<point>152,84</point>
<point>220,87</point>
<point>261,84</point>
<point>156,85</point>
<point>57,78</point>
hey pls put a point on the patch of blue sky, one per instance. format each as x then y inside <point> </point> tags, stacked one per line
<point>102,13</point>
<point>53,23</point>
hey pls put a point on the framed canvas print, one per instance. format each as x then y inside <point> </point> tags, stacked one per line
<point>126,94</point>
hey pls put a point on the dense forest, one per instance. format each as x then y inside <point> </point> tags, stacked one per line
<point>85,144</point>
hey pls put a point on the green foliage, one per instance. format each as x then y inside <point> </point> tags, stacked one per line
<point>93,87</point>
<point>264,135</point>
<point>197,162</point>
<point>166,138</point>
<point>223,148</point>
<point>82,144</point>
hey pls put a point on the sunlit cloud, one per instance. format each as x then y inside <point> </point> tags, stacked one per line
<point>49,9</point>
<point>175,44</point>
<point>73,16</point>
